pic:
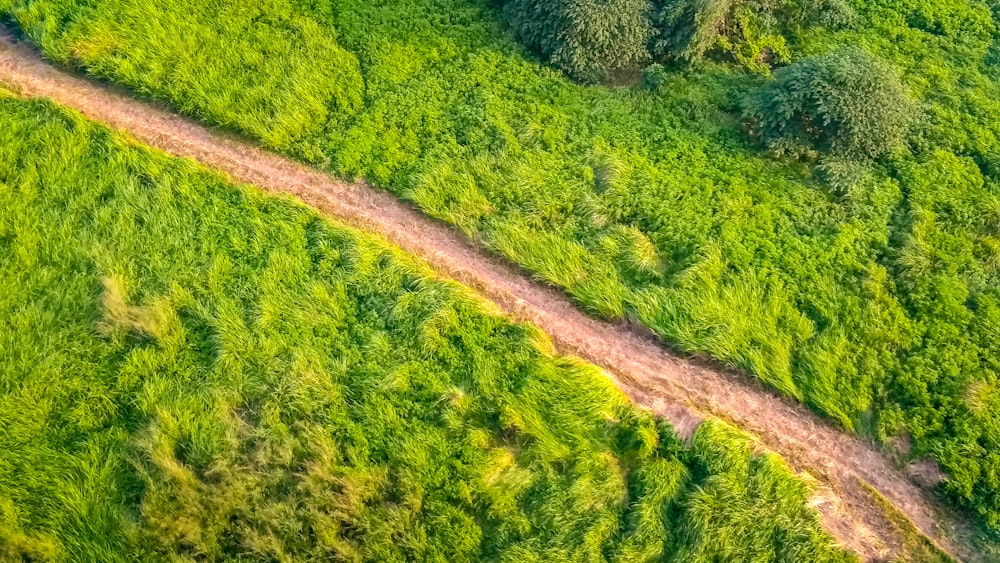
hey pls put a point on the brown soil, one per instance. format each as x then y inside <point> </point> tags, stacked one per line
<point>683,390</point>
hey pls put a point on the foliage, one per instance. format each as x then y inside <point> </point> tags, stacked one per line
<point>737,477</point>
<point>841,175</point>
<point>689,29</point>
<point>258,67</point>
<point>191,370</point>
<point>655,76</point>
<point>585,38</point>
<point>992,60</point>
<point>877,304</point>
<point>845,102</point>
<point>753,32</point>
<point>916,546</point>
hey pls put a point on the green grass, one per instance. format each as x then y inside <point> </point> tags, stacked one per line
<point>876,303</point>
<point>915,545</point>
<point>192,370</point>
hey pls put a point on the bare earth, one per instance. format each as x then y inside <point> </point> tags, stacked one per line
<point>683,390</point>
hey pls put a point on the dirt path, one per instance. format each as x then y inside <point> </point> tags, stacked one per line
<point>680,389</point>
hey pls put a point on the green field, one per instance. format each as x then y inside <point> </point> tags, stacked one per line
<point>877,303</point>
<point>192,370</point>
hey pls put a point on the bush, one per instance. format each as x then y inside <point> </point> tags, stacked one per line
<point>585,38</point>
<point>840,175</point>
<point>654,76</point>
<point>845,103</point>
<point>750,31</point>
<point>689,29</point>
<point>991,64</point>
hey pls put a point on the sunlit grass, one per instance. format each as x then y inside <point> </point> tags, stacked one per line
<point>195,370</point>
<point>870,295</point>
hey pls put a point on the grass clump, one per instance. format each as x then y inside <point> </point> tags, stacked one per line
<point>192,370</point>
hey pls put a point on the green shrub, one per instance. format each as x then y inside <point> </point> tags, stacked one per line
<point>585,38</point>
<point>840,175</point>
<point>689,29</point>
<point>992,60</point>
<point>751,31</point>
<point>846,103</point>
<point>654,76</point>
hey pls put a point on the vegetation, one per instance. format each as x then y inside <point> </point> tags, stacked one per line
<point>876,302</point>
<point>588,39</point>
<point>585,38</point>
<point>753,32</point>
<point>260,68</point>
<point>191,370</point>
<point>845,102</point>
<point>915,545</point>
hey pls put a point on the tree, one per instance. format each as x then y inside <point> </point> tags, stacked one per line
<point>846,103</point>
<point>587,39</point>
<point>750,31</point>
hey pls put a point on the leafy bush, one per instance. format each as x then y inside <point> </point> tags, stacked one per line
<point>840,175</point>
<point>846,103</point>
<point>751,31</point>
<point>992,60</point>
<point>586,38</point>
<point>688,29</point>
<point>655,76</point>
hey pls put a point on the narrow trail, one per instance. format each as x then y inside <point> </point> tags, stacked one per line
<point>682,390</point>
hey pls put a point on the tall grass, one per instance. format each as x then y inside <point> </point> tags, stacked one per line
<point>192,370</point>
<point>260,68</point>
<point>873,299</point>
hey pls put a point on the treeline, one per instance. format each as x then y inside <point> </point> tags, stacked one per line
<point>845,103</point>
<point>590,39</point>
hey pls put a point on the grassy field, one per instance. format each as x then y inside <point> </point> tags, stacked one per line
<point>877,303</point>
<point>192,370</point>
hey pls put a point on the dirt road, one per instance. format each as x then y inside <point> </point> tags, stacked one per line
<point>679,389</point>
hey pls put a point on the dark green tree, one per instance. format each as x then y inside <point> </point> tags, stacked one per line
<point>846,103</point>
<point>588,39</point>
<point>751,31</point>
